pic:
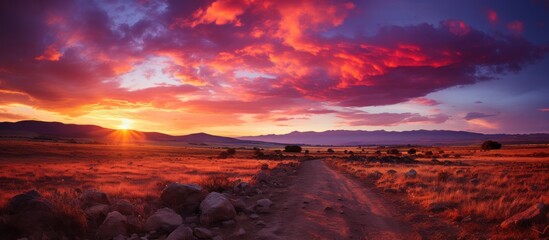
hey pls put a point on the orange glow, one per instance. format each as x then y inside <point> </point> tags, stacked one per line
<point>125,124</point>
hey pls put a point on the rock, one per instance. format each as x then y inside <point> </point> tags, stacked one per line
<point>29,213</point>
<point>183,198</point>
<point>263,205</point>
<point>441,206</point>
<point>391,172</point>
<point>459,171</point>
<point>260,223</point>
<point>229,223</point>
<point>124,207</point>
<point>264,166</point>
<point>216,207</point>
<point>262,177</point>
<point>536,213</point>
<point>97,213</point>
<point>254,216</point>
<point>202,233</point>
<point>163,219</point>
<point>134,237</point>
<point>474,181</point>
<point>119,237</point>
<point>240,205</point>
<point>240,232</point>
<point>217,238</point>
<point>242,188</point>
<point>92,197</point>
<point>181,233</point>
<point>191,219</point>
<point>411,174</point>
<point>115,224</point>
<point>134,224</point>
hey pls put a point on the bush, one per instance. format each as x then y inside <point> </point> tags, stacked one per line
<point>393,151</point>
<point>216,183</point>
<point>443,176</point>
<point>231,151</point>
<point>330,150</point>
<point>412,151</point>
<point>292,148</point>
<point>429,153</point>
<point>489,145</point>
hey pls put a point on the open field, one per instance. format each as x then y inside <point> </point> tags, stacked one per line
<point>457,191</point>
<point>476,191</point>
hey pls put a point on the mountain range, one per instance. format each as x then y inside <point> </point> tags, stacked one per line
<point>381,137</point>
<point>57,130</point>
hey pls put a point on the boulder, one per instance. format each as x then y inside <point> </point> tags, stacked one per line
<point>181,233</point>
<point>391,171</point>
<point>263,205</point>
<point>262,177</point>
<point>203,233</point>
<point>264,166</point>
<point>411,174</point>
<point>115,224</point>
<point>216,207</point>
<point>92,197</point>
<point>97,213</point>
<point>30,213</point>
<point>536,213</point>
<point>163,219</point>
<point>183,198</point>
<point>124,207</point>
<point>242,188</point>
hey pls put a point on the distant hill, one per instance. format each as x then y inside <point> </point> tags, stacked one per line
<point>417,137</point>
<point>57,130</point>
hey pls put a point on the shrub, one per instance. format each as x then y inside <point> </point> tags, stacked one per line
<point>216,183</point>
<point>393,151</point>
<point>306,151</point>
<point>443,176</point>
<point>330,150</point>
<point>292,148</point>
<point>231,151</point>
<point>429,153</point>
<point>412,151</point>
<point>489,145</point>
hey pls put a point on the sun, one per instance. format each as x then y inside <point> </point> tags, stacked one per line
<point>125,124</point>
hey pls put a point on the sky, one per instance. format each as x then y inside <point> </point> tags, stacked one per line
<point>249,67</point>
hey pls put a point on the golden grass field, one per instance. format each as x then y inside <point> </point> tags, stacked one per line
<point>476,195</point>
<point>122,171</point>
<point>490,187</point>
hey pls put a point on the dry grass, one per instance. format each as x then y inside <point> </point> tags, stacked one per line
<point>485,192</point>
<point>136,173</point>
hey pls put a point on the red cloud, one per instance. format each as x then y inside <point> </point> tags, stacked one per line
<point>492,16</point>
<point>285,42</point>
<point>516,27</point>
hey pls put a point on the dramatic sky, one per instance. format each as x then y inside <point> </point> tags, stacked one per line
<point>247,67</point>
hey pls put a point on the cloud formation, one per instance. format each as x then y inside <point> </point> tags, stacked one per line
<point>70,57</point>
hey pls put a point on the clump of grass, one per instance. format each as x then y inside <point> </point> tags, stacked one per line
<point>217,183</point>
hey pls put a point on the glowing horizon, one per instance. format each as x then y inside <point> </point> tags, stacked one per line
<point>241,67</point>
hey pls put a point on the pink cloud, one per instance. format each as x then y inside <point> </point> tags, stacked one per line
<point>492,16</point>
<point>516,27</point>
<point>207,43</point>
<point>389,119</point>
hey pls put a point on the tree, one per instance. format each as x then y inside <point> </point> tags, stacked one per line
<point>306,152</point>
<point>412,151</point>
<point>489,145</point>
<point>292,148</point>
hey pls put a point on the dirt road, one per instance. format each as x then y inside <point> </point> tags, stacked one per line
<point>323,204</point>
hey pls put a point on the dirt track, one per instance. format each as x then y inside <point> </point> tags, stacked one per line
<point>323,204</point>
